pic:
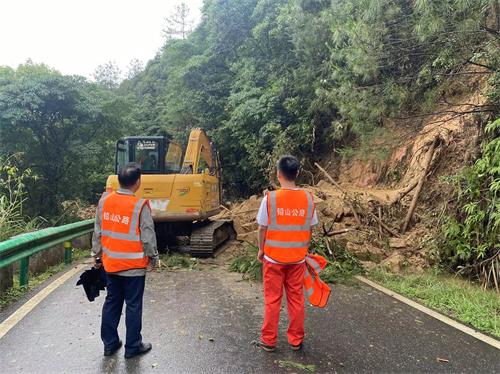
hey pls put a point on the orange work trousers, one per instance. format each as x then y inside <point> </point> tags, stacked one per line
<point>291,279</point>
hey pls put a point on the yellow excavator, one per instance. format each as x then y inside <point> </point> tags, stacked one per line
<point>182,193</point>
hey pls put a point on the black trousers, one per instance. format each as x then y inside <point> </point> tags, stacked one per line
<point>129,290</point>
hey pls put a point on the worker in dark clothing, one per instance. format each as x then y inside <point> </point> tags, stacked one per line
<point>124,238</point>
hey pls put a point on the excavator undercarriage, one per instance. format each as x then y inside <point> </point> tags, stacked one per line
<point>199,239</point>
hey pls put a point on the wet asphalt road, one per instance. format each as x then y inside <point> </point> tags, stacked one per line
<point>204,321</point>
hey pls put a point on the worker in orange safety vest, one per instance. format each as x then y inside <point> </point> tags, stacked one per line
<point>124,238</point>
<point>285,219</point>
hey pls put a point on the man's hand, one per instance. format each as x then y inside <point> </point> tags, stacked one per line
<point>153,264</point>
<point>96,264</point>
<point>260,255</point>
<point>262,240</point>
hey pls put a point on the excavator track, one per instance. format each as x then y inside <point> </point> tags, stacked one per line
<point>207,236</point>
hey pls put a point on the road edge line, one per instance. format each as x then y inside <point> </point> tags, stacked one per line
<point>447,320</point>
<point>29,305</point>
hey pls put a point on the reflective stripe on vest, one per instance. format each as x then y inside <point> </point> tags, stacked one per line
<point>314,264</point>
<point>280,244</point>
<point>308,283</point>
<point>130,255</point>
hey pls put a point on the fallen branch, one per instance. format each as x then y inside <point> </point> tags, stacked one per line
<point>330,178</point>
<point>385,226</point>
<point>380,220</point>
<point>403,193</point>
<point>329,230</point>
<point>338,232</point>
<point>427,162</point>
<point>328,247</point>
<point>226,209</point>
<point>247,211</point>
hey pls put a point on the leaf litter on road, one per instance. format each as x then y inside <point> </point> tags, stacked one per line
<point>296,365</point>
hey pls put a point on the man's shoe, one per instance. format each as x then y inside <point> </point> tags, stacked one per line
<point>264,347</point>
<point>297,347</point>
<point>111,352</point>
<point>144,348</point>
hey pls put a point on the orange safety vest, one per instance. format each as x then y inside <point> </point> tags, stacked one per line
<point>289,225</point>
<point>317,291</point>
<point>120,232</point>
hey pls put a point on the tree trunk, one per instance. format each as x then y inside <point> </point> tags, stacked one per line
<point>427,162</point>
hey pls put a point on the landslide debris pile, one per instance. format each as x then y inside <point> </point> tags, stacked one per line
<point>345,216</point>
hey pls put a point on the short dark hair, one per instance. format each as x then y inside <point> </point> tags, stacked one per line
<point>289,167</point>
<point>129,174</point>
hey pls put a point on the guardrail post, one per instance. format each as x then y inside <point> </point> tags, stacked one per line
<point>24,270</point>
<point>67,252</point>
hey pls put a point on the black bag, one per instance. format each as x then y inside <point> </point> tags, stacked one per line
<point>93,281</point>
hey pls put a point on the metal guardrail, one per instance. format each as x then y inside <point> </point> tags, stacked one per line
<point>21,247</point>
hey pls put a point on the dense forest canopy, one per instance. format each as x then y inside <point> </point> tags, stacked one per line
<point>62,128</point>
<point>270,77</point>
<point>263,77</point>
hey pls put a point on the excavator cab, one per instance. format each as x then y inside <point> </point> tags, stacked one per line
<point>183,190</point>
<point>155,154</point>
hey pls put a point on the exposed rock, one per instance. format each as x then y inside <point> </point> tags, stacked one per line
<point>365,252</point>
<point>394,263</point>
<point>397,243</point>
<point>368,265</point>
<point>417,263</point>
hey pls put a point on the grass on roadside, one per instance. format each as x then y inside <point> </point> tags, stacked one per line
<point>248,265</point>
<point>450,295</point>
<point>342,266</point>
<point>14,293</point>
<point>176,261</point>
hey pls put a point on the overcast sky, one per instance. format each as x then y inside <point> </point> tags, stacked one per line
<point>75,36</point>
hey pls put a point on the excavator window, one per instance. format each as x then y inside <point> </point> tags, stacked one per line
<point>202,165</point>
<point>121,155</point>
<point>147,154</point>
<point>173,158</point>
<point>156,155</point>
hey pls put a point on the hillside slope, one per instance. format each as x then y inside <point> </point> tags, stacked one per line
<point>425,147</point>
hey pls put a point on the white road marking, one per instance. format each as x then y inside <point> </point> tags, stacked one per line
<point>28,306</point>
<point>465,329</point>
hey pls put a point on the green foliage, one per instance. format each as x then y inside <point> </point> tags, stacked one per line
<point>178,261</point>
<point>342,265</point>
<point>64,127</point>
<point>453,296</point>
<point>287,364</point>
<point>12,198</point>
<point>472,231</point>
<point>248,265</point>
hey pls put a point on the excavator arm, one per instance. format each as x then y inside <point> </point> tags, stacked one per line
<point>199,154</point>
